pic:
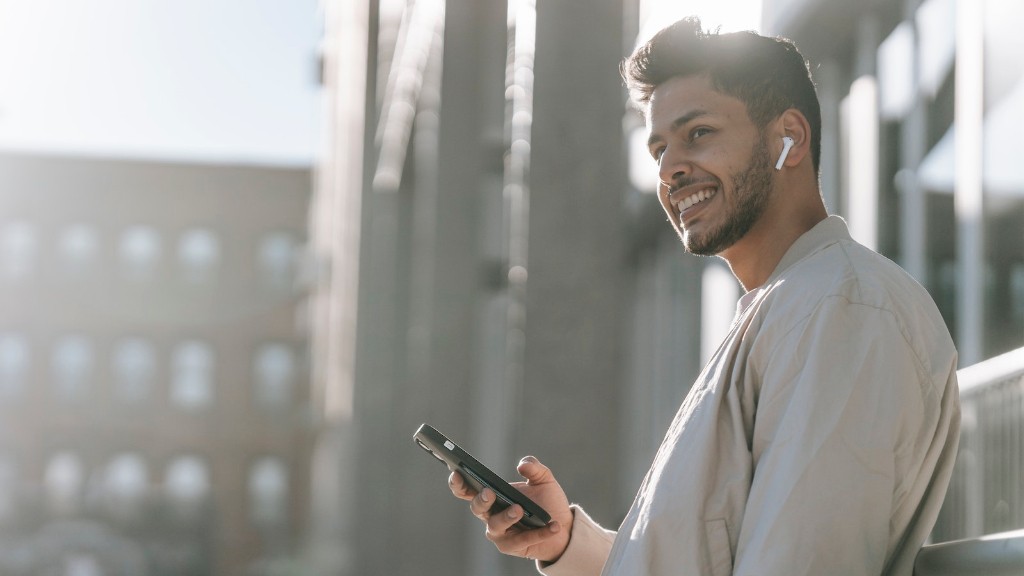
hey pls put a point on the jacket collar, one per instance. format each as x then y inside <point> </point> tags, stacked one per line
<point>829,231</point>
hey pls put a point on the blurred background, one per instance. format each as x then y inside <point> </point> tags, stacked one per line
<point>247,247</point>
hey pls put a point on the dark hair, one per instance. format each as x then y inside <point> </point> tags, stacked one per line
<point>767,74</point>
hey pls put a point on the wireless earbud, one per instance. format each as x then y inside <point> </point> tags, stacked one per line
<point>787,143</point>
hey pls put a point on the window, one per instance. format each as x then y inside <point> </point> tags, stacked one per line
<point>15,362</point>
<point>139,252</point>
<point>126,484</point>
<point>17,250</point>
<point>8,488</point>
<point>277,260</point>
<point>72,368</point>
<point>62,482</point>
<point>187,483</point>
<point>1017,290</point>
<point>82,565</point>
<point>78,248</point>
<point>268,492</point>
<point>895,63</point>
<point>199,255</point>
<point>192,376</point>
<point>275,369</point>
<point>134,369</point>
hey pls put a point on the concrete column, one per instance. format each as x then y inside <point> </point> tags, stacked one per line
<point>830,92</point>
<point>420,282</point>
<point>575,324</point>
<point>913,147</point>
<point>452,153</point>
<point>863,142</point>
<point>969,115</point>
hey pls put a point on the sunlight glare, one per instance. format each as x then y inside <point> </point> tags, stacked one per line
<point>729,15</point>
<point>723,15</point>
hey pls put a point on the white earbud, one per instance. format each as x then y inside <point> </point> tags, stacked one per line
<point>787,143</point>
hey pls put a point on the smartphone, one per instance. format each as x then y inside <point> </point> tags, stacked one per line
<point>479,476</point>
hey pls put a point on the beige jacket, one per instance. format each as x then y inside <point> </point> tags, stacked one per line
<point>819,440</point>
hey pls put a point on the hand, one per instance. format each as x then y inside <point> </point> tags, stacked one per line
<point>546,544</point>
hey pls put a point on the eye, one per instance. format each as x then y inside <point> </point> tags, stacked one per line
<point>698,132</point>
<point>657,152</point>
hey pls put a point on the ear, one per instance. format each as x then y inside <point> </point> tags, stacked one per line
<point>793,124</point>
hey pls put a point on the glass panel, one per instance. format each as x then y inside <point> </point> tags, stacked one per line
<point>277,259</point>
<point>17,250</point>
<point>15,363</point>
<point>82,565</point>
<point>63,482</point>
<point>126,486</point>
<point>192,378</point>
<point>268,492</point>
<point>134,369</point>
<point>72,368</point>
<point>188,480</point>
<point>8,488</point>
<point>896,72</point>
<point>140,251</point>
<point>199,255</point>
<point>78,247</point>
<point>275,375</point>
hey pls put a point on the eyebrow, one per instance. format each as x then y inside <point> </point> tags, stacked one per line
<point>680,121</point>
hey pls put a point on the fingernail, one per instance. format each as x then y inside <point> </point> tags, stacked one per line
<point>511,512</point>
<point>485,496</point>
<point>555,527</point>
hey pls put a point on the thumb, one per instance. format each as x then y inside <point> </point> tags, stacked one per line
<point>534,472</point>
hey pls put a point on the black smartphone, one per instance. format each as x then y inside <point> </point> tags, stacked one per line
<point>479,476</point>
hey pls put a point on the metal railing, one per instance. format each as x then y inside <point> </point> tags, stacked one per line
<point>986,493</point>
<point>994,555</point>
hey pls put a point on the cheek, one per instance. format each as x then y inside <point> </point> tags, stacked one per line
<point>729,157</point>
<point>663,200</point>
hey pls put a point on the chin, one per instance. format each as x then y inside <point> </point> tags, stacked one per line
<point>699,245</point>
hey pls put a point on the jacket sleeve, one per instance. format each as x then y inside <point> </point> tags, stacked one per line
<point>840,446</point>
<point>589,545</point>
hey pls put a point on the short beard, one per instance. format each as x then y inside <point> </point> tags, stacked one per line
<point>752,188</point>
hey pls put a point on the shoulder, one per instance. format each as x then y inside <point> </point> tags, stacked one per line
<point>859,290</point>
<point>844,271</point>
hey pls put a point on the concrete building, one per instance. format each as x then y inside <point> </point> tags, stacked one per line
<point>153,412</point>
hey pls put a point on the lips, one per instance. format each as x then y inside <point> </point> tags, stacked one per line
<point>684,203</point>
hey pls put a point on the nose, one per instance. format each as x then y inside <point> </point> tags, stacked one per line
<point>672,166</point>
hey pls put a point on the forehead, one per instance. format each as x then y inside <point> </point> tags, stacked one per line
<point>685,97</point>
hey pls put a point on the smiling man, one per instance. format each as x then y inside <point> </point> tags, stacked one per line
<point>821,436</point>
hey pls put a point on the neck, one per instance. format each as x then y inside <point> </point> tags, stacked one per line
<point>755,256</point>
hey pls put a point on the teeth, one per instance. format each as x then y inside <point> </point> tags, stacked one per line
<point>695,198</point>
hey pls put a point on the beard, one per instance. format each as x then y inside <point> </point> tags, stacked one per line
<point>751,190</point>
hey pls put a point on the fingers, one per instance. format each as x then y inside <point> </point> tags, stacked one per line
<point>510,539</point>
<point>534,472</point>
<point>459,488</point>
<point>500,523</point>
<point>481,504</point>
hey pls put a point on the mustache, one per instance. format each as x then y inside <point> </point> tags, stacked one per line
<point>685,181</point>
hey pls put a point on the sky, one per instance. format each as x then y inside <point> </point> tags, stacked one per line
<point>730,15</point>
<point>193,80</point>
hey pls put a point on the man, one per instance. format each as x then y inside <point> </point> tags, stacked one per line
<point>821,436</point>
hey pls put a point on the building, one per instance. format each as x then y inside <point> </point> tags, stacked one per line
<point>153,412</point>
<point>923,98</point>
